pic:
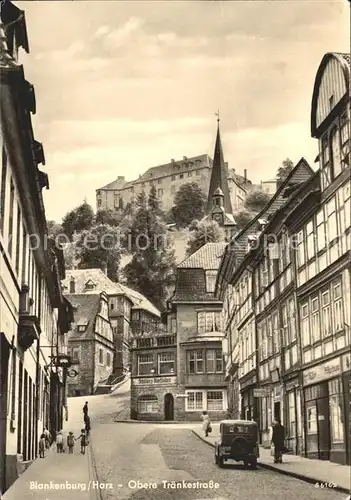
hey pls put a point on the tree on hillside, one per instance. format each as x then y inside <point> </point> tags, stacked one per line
<point>284,170</point>
<point>79,219</point>
<point>256,200</point>
<point>151,270</point>
<point>98,247</point>
<point>189,204</point>
<point>243,217</point>
<point>154,202</point>
<point>109,217</point>
<point>202,232</point>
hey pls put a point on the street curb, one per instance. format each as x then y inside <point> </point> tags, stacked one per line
<point>306,479</point>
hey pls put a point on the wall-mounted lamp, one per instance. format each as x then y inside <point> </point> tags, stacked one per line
<point>152,371</point>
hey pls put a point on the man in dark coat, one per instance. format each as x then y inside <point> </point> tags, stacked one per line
<point>278,440</point>
<point>87,426</point>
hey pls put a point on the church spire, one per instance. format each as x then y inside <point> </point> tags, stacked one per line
<point>219,176</point>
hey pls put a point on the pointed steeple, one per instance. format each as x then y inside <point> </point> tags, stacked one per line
<point>219,176</point>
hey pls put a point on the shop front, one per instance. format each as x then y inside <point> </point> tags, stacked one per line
<point>153,398</point>
<point>326,410</point>
<point>249,405</point>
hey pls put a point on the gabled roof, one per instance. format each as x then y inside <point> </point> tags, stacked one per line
<point>86,308</point>
<point>344,61</point>
<point>104,284</point>
<point>238,247</point>
<point>207,257</point>
<point>219,177</point>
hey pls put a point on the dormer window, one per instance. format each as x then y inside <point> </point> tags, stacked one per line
<point>90,285</point>
<point>251,242</point>
<point>262,223</point>
<point>82,328</point>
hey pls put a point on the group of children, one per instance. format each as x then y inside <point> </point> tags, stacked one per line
<point>45,438</point>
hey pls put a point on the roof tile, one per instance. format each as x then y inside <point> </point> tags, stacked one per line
<point>207,257</point>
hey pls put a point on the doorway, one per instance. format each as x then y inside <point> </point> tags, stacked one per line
<point>277,411</point>
<point>5,352</point>
<point>169,407</point>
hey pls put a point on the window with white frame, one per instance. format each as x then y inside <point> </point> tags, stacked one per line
<point>286,339</point>
<point>209,321</point>
<point>166,363</point>
<point>326,313</point>
<point>305,325</point>
<point>300,249</point>
<point>194,401</point>
<point>215,401</point>
<point>292,320</point>
<point>147,403</point>
<point>321,231</point>
<point>310,240</point>
<point>269,336</point>
<point>145,364</point>
<point>345,207</point>
<point>292,414</point>
<point>211,281</point>
<point>276,342</point>
<point>345,140</point>
<point>335,152</point>
<point>195,361</point>
<point>214,361</point>
<point>326,170</point>
<point>332,227</point>
<point>337,307</point>
<point>315,320</point>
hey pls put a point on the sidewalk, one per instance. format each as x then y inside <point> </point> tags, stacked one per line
<point>72,474</point>
<point>313,471</point>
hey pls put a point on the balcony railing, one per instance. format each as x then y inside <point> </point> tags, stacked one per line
<point>152,342</point>
<point>150,327</point>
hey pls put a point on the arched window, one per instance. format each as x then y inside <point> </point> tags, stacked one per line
<point>335,152</point>
<point>147,403</point>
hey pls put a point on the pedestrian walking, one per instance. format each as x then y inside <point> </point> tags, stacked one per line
<point>42,445</point>
<point>83,441</point>
<point>47,438</point>
<point>70,442</point>
<point>87,426</point>
<point>206,425</point>
<point>278,440</point>
<point>85,411</point>
<point>59,442</point>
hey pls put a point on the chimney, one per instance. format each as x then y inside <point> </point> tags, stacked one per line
<point>72,285</point>
<point>245,174</point>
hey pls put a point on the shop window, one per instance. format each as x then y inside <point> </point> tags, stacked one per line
<point>194,401</point>
<point>292,414</point>
<point>148,403</point>
<point>312,420</point>
<point>336,411</point>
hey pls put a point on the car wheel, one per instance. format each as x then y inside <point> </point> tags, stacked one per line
<point>220,461</point>
<point>254,464</point>
<point>216,458</point>
<point>246,464</point>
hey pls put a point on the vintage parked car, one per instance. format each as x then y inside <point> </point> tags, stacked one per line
<point>238,441</point>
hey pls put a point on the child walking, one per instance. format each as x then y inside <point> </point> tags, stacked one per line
<point>70,442</point>
<point>59,442</point>
<point>42,446</point>
<point>83,441</point>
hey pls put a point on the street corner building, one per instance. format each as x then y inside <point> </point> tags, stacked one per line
<point>90,344</point>
<point>124,306</point>
<point>285,284</point>
<point>196,316</point>
<point>35,317</point>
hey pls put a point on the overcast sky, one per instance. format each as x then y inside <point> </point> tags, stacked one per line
<point>124,86</point>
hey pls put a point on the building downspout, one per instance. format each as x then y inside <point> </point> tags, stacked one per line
<point>37,375</point>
